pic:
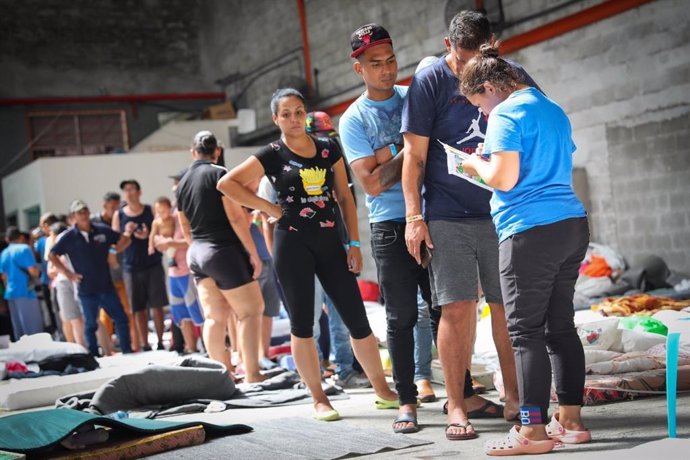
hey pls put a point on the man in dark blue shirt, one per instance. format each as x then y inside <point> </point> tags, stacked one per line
<point>456,220</point>
<point>87,246</point>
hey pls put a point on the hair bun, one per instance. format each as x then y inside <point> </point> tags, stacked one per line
<point>488,51</point>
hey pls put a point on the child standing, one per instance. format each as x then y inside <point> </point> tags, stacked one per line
<point>163,225</point>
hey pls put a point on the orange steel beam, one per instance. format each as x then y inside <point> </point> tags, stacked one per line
<point>540,34</point>
<point>569,23</point>
<point>305,44</point>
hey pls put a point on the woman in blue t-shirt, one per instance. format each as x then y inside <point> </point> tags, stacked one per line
<point>308,175</point>
<point>543,236</point>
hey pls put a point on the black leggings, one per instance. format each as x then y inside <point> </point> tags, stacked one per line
<point>299,255</point>
<point>539,268</point>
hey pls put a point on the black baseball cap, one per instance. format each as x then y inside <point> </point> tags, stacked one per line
<point>133,182</point>
<point>367,36</point>
<point>179,175</point>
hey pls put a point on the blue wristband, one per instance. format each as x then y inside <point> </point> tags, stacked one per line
<point>355,244</point>
<point>394,150</point>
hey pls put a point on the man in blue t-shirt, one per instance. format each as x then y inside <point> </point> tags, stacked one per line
<point>88,246</point>
<point>456,217</point>
<point>18,265</point>
<point>372,143</point>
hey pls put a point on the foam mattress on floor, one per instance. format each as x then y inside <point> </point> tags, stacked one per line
<point>16,394</point>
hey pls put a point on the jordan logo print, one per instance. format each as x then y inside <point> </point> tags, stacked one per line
<point>474,130</point>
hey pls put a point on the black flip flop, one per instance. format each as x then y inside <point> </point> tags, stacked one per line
<point>482,412</point>
<point>406,418</point>
<point>460,437</point>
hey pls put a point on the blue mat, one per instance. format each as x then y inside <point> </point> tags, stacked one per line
<point>36,431</point>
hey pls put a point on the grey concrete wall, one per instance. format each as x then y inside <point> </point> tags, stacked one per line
<point>625,84</point>
<point>82,47</point>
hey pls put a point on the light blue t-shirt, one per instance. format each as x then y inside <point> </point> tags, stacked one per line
<point>365,127</point>
<point>14,260</point>
<point>533,125</point>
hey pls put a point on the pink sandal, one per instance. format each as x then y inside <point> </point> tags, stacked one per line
<point>556,432</point>
<point>517,444</point>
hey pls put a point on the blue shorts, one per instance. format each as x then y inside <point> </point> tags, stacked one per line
<point>183,300</point>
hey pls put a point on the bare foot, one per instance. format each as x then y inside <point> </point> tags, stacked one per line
<point>388,395</point>
<point>322,407</point>
<point>511,410</point>
<point>456,416</point>
<point>254,378</point>
<point>476,402</point>
<point>534,432</point>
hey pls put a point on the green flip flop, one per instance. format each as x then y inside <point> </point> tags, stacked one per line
<point>330,416</point>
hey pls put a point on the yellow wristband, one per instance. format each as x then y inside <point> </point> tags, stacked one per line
<point>414,218</point>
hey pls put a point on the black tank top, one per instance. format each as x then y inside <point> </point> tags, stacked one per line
<point>136,256</point>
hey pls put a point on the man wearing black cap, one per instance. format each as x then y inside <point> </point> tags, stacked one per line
<point>370,132</point>
<point>88,246</point>
<point>143,273</point>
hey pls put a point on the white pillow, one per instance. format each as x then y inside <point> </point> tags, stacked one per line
<point>601,335</point>
<point>640,341</point>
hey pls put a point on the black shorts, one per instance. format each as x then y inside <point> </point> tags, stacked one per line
<point>227,264</point>
<point>146,288</point>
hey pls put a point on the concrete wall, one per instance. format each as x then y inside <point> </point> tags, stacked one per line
<point>52,183</point>
<point>625,84</point>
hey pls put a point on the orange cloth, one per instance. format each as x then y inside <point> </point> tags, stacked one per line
<point>597,268</point>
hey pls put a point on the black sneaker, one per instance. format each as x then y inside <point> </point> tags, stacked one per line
<point>146,348</point>
<point>160,346</point>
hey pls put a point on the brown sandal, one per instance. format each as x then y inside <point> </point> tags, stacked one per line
<point>460,437</point>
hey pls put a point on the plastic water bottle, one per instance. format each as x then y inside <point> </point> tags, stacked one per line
<point>119,415</point>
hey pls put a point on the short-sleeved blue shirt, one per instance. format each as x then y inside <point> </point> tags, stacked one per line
<point>40,248</point>
<point>436,109</point>
<point>89,258</point>
<point>365,127</point>
<point>15,261</point>
<point>539,130</point>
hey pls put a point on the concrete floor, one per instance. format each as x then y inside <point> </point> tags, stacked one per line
<point>614,426</point>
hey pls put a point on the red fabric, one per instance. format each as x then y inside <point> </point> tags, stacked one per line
<point>16,366</point>
<point>369,290</point>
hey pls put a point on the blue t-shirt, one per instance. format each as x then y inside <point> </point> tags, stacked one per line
<point>365,127</point>
<point>89,258</point>
<point>436,109</point>
<point>15,261</point>
<point>533,125</point>
<point>40,248</point>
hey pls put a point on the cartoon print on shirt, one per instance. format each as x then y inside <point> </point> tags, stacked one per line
<point>287,168</point>
<point>474,130</point>
<point>313,180</point>
<point>289,199</point>
<point>327,224</point>
<point>307,212</point>
<point>325,153</point>
<point>320,204</point>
